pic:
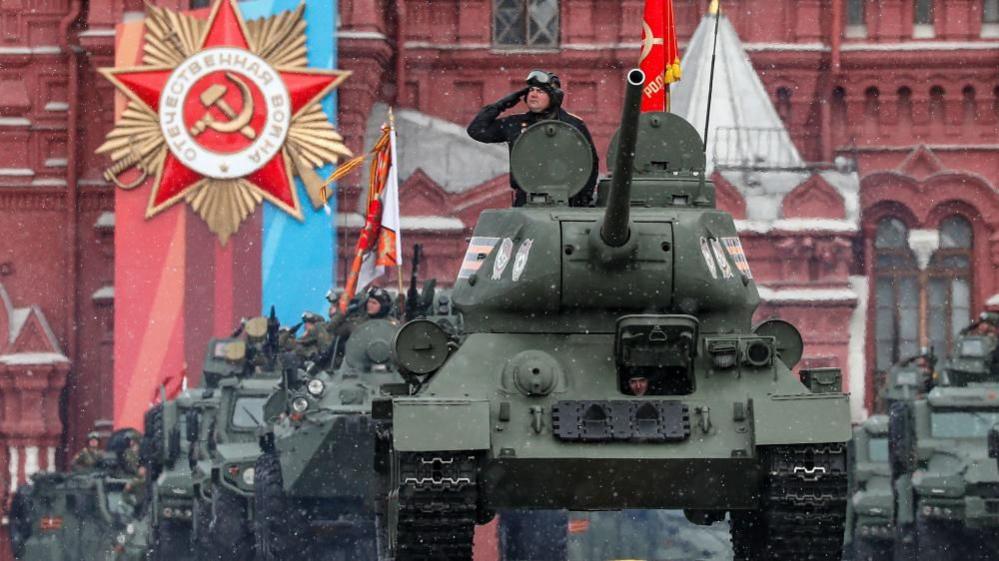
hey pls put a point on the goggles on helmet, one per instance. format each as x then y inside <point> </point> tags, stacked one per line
<point>543,78</point>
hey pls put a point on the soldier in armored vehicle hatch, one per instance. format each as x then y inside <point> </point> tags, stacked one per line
<point>543,96</point>
<point>90,456</point>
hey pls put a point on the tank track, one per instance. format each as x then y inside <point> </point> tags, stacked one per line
<point>803,506</point>
<point>437,502</point>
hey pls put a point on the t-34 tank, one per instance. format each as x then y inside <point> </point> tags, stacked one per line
<point>609,363</point>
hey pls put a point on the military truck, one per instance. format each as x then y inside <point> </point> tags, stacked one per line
<point>947,487</point>
<point>167,450</point>
<point>870,530</point>
<point>90,515</point>
<point>242,373</point>
<point>568,313</point>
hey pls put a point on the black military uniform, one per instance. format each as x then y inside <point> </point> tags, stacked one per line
<point>487,126</point>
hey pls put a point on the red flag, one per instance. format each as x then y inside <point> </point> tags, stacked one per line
<point>379,244</point>
<point>660,59</point>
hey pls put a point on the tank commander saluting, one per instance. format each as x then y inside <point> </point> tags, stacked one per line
<point>543,97</point>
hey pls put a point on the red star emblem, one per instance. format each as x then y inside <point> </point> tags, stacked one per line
<point>223,110</point>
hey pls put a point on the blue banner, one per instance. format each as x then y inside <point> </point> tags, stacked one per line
<point>299,258</point>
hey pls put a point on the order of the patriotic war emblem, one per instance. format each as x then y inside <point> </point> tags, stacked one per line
<point>222,114</point>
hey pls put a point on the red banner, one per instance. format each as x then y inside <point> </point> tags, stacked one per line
<point>660,59</point>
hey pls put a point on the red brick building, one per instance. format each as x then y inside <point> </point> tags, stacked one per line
<point>904,92</point>
<point>907,91</point>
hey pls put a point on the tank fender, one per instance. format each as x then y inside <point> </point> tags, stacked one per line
<point>458,424</point>
<point>799,418</point>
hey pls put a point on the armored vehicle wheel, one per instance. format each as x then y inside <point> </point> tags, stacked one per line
<point>277,527</point>
<point>152,440</point>
<point>904,546</point>
<point>229,534</point>
<point>20,520</point>
<point>534,535</point>
<point>871,550</point>
<point>803,507</point>
<point>437,495</point>
<point>201,523</point>
<point>937,541</point>
<point>171,541</point>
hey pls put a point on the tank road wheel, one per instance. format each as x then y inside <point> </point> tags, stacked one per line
<point>803,506</point>
<point>278,527</point>
<point>437,498</point>
<point>229,534</point>
<point>938,541</point>
<point>171,541</point>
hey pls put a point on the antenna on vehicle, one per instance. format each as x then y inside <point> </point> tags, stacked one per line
<point>715,9</point>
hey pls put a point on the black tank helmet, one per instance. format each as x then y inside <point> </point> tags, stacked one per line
<point>383,298</point>
<point>549,82</point>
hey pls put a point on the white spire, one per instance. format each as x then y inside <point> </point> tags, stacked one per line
<point>745,128</point>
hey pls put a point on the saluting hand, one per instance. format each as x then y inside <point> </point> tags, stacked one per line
<point>511,99</point>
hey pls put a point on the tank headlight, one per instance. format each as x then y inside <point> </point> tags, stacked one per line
<point>299,405</point>
<point>130,528</point>
<point>167,512</point>
<point>316,387</point>
<point>723,353</point>
<point>248,476</point>
<point>121,539</point>
<point>758,353</point>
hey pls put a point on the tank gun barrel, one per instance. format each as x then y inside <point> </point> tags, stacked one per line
<point>614,231</point>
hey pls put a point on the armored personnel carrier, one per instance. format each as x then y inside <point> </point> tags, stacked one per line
<point>89,515</point>
<point>243,372</point>
<point>946,486</point>
<point>870,530</point>
<point>608,362</point>
<point>314,481</point>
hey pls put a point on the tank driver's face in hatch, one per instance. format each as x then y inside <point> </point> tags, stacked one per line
<point>538,99</point>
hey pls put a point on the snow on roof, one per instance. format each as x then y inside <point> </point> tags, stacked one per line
<point>805,295</point>
<point>748,142</point>
<point>413,223</point>
<point>18,317</point>
<point>442,149</point>
<point>32,358</point>
<point>105,292</point>
<point>739,100</point>
<point>105,220</point>
<point>817,225</point>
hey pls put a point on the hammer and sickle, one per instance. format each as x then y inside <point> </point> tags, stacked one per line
<point>213,97</point>
<point>648,41</point>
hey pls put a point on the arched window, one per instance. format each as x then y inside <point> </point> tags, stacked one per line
<point>872,111</point>
<point>784,104</point>
<point>990,11</point>
<point>526,23</point>
<point>904,111</point>
<point>970,105</point>
<point>948,289</point>
<point>896,295</point>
